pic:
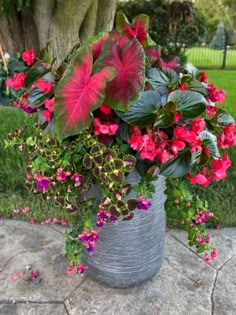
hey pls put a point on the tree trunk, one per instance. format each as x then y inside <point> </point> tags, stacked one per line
<point>63,22</point>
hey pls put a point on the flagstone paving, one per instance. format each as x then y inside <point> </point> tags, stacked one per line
<point>184,286</point>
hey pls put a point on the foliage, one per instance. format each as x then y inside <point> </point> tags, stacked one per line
<point>8,5</point>
<point>219,40</point>
<point>13,64</point>
<point>173,38</point>
<point>119,108</point>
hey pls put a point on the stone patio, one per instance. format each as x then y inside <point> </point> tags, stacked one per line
<point>185,285</point>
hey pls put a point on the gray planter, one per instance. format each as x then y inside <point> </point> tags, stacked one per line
<point>131,252</point>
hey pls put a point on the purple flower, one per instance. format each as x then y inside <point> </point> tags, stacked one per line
<point>29,110</point>
<point>84,237</point>
<point>90,246</point>
<point>144,204</point>
<point>42,182</point>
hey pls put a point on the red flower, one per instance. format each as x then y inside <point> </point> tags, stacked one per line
<point>148,149</point>
<point>49,104</point>
<point>203,77</point>
<point>104,126</point>
<point>216,95</point>
<point>228,137</point>
<point>17,82</point>
<point>183,87</point>
<point>220,166</point>
<point>105,109</point>
<point>198,125</point>
<point>211,110</point>
<point>28,56</point>
<point>182,133</point>
<point>47,115</point>
<point>45,86</point>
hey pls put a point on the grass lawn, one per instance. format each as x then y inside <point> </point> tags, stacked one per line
<point>206,57</point>
<point>13,194</point>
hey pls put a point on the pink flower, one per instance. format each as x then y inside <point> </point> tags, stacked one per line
<point>136,142</point>
<point>62,176</point>
<point>104,126</point>
<point>207,259</point>
<point>17,82</point>
<point>44,86</point>
<point>26,210</point>
<point>70,270</point>
<point>32,221</point>
<point>214,254</point>
<point>77,178</point>
<point>28,56</point>
<point>81,269</point>
<point>183,87</point>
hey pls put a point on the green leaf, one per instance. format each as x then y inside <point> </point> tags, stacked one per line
<point>165,77</point>
<point>37,97</point>
<point>211,141</point>
<point>46,54</point>
<point>166,116</point>
<point>178,166</point>
<point>192,70</point>
<point>143,112</point>
<point>194,85</point>
<point>34,74</point>
<point>191,104</point>
<point>223,117</point>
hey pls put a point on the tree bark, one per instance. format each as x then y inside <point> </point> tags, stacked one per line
<point>105,15</point>
<point>43,14</point>
<point>11,33</point>
<point>63,22</point>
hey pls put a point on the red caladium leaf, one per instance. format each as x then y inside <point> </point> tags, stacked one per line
<point>138,29</point>
<point>97,43</point>
<point>153,52</point>
<point>120,38</point>
<point>79,93</point>
<point>130,64</point>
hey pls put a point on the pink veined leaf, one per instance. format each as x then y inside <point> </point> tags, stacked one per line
<point>153,52</point>
<point>120,38</point>
<point>130,65</point>
<point>138,29</point>
<point>97,43</point>
<point>79,93</point>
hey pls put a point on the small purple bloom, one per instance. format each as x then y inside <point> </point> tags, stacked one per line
<point>144,204</point>
<point>90,246</point>
<point>42,182</point>
<point>29,110</point>
<point>94,236</point>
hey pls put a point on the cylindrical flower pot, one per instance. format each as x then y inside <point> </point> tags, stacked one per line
<point>131,252</point>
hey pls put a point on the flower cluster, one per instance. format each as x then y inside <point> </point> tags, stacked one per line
<point>118,107</point>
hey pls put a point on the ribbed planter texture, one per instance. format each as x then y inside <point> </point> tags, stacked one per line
<point>131,252</point>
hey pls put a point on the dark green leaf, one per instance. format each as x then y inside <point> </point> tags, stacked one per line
<point>46,54</point>
<point>142,112</point>
<point>37,97</point>
<point>194,85</point>
<point>164,77</point>
<point>191,104</point>
<point>34,74</point>
<point>166,116</point>
<point>211,142</point>
<point>224,118</point>
<point>178,166</point>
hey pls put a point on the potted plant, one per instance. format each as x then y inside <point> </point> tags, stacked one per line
<point>114,121</point>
